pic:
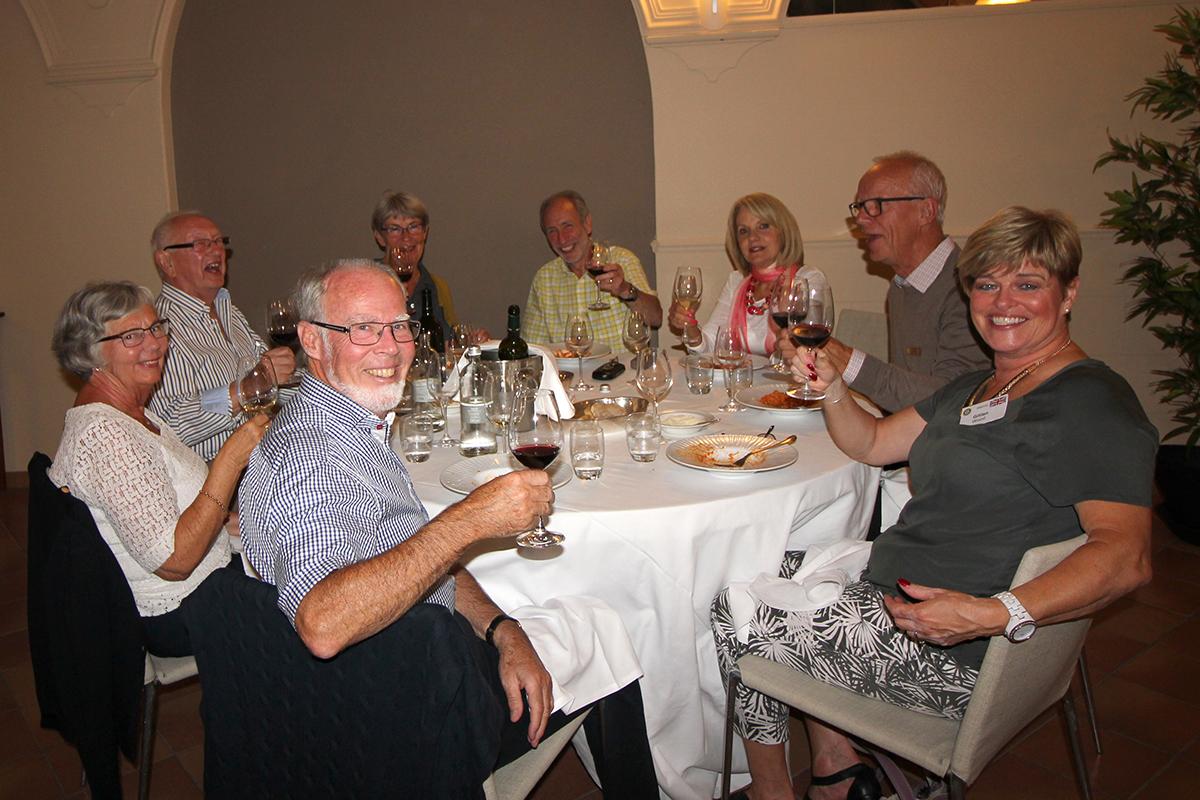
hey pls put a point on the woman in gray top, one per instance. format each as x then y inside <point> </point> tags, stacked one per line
<point>1001,462</point>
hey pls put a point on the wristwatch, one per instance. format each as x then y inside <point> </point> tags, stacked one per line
<point>632,297</point>
<point>1020,625</point>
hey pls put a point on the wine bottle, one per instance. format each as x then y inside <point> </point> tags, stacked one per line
<point>477,436</point>
<point>426,377</point>
<point>513,346</point>
<point>429,322</point>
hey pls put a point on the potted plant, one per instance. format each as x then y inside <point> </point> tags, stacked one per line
<point>1161,212</point>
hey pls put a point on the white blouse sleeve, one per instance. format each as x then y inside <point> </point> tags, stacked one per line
<point>719,317</point>
<point>119,472</point>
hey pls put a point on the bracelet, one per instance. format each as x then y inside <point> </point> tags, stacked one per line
<point>841,397</point>
<point>490,633</point>
<point>204,492</point>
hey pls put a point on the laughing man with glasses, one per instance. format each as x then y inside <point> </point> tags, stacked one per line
<point>209,335</point>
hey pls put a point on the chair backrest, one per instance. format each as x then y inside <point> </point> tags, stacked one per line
<point>866,330</point>
<point>1019,681</point>
<point>279,722</point>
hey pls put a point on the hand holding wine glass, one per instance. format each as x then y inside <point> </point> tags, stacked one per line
<point>599,258</point>
<point>654,376</point>
<point>535,440</point>
<point>578,339</point>
<point>257,390</point>
<point>809,325</point>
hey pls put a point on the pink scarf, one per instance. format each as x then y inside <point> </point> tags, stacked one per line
<point>741,300</point>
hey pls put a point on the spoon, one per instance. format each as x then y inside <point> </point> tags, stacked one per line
<point>741,462</point>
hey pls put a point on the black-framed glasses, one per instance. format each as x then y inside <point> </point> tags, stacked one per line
<point>398,230</point>
<point>873,206</point>
<point>199,244</point>
<point>368,333</point>
<point>134,336</point>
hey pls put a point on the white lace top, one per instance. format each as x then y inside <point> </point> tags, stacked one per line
<point>136,484</point>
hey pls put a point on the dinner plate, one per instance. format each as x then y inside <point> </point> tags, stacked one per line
<point>752,396</point>
<point>469,474</point>
<point>716,453</point>
<point>677,424</point>
<point>599,354</point>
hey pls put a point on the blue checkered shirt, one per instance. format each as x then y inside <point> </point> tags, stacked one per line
<point>323,491</point>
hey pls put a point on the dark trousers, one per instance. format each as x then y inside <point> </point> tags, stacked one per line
<point>615,730</point>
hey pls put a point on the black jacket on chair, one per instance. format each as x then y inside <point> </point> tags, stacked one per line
<point>401,714</point>
<point>85,636</point>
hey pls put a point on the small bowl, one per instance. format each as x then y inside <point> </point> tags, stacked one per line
<point>679,424</point>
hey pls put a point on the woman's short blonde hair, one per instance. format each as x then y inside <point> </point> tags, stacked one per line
<point>1015,235</point>
<point>771,210</point>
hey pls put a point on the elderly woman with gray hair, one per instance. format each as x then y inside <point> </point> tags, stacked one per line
<point>157,505</point>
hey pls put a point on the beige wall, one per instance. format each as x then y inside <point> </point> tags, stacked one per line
<point>1012,102</point>
<point>82,185</point>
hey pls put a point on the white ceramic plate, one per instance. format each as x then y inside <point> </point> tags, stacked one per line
<point>677,424</point>
<point>599,354</point>
<point>716,453</point>
<point>467,475</point>
<point>751,397</point>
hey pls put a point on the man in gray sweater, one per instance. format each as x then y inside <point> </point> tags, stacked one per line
<point>898,209</point>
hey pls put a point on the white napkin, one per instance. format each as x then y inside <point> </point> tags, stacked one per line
<point>563,407</point>
<point>583,645</point>
<point>823,575</point>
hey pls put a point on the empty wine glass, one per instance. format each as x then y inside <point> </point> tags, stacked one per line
<point>448,366</point>
<point>578,339</point>
<point>809,324</point>
<point>729,351</point>
<point>281,324</point>
<point>257,389</point>
<point>535,440</point>
<point>654,376</point>
<point>599,257</point>
<point>688,288</point>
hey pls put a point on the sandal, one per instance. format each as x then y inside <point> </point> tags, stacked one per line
<point>865,786</point>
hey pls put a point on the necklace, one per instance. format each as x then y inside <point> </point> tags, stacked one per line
<point>1020,376</point>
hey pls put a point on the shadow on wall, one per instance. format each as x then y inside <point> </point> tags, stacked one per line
<point>290,120</point>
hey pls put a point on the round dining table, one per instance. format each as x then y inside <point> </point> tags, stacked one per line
<point>656,541</point>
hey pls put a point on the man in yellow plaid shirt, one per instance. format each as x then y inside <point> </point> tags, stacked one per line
<point>562,287</point>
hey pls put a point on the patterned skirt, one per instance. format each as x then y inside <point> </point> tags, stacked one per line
<point>852,644</point>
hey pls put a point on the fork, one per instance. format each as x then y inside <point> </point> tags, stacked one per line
<point>741,462</point>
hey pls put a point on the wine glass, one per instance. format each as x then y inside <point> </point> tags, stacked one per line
<point>281,324</point>
<point>810,323</point>
<point>689,286</point>
<point>635,335</point>
<point>400,259</point>
<point>654,376</point>
<point>448,366</point>
<point>729,352</point>
<point>780,302</point>
<point>578,339</point>
<point>257,389</point>
<point>535,440</point>
<point>500,406</point>
<point>599,256</point>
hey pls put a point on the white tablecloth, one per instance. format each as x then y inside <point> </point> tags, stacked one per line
<point>657,541</point>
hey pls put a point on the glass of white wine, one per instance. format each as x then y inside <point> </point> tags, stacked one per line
<point>688,289</point>
<point>257,389</point>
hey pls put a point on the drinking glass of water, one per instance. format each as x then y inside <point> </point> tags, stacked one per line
<point>587,449</point>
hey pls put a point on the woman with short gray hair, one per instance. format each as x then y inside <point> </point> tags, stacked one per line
<point>156,504</point>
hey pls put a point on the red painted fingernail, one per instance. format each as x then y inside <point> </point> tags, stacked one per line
<point>903,583</point>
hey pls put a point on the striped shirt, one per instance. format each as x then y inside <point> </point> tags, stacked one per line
<point>201,364</point>
<point>556,294</point>
<point>323,490</point>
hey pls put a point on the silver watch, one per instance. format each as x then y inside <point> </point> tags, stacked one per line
<point>1020,624</point>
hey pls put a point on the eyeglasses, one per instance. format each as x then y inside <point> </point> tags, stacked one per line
<point>199,244</point>
<point>399,230</point>
<point>368,333</point>
<point>134,336</point>
<point>873,206</point>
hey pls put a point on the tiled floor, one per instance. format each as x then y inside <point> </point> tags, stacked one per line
<point>1144,653</point>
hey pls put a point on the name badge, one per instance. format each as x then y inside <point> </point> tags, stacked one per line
<point>985,412</point>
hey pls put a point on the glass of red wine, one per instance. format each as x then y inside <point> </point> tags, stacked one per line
<point>810,323</point>
<point>783,297</point>
<point>281,325</point>
<point>534,439</point>
<point>599,258</point>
